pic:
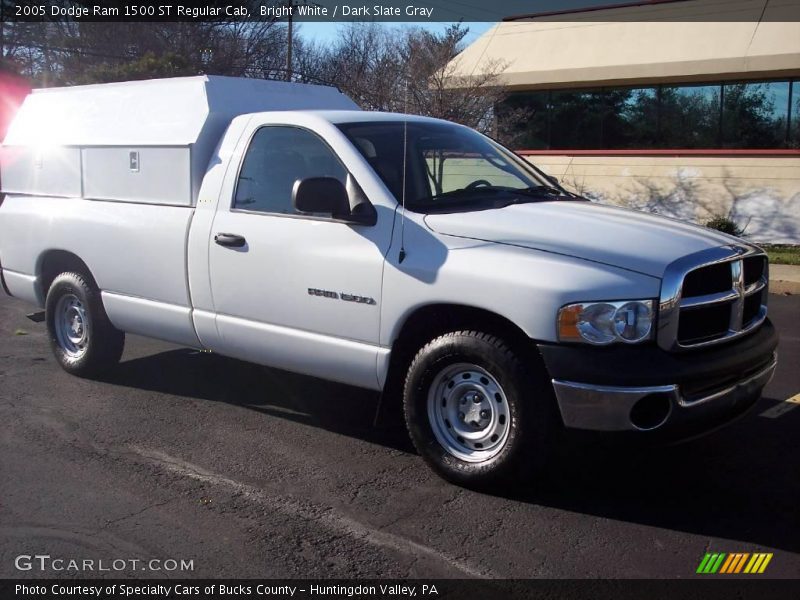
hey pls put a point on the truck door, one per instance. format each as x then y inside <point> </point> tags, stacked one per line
<point>295,291</point>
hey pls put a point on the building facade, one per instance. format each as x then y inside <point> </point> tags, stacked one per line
<point>689,108</point>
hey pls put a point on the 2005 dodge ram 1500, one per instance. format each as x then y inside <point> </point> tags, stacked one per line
<point>277,223</point>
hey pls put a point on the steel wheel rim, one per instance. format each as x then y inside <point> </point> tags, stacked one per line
<point>72,326</point>
<point>468,412</point>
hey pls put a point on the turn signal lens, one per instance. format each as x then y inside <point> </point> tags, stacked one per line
<point>568,322</point>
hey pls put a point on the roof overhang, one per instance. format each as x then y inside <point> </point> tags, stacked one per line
<point>660,43</point>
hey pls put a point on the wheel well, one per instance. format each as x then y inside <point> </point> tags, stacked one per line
<point>55,262</point>
<point>429,322</point>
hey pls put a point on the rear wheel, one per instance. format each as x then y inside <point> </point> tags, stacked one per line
<point>476,411</point>
<point>83,340</point>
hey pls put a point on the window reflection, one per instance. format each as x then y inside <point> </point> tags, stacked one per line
<point>638,110</point>
<point>690,116</point>
<point>523,120</point>
<point>754,115</point>
<point>729,115</point>
<point>794,103</point>
<point>577,119</point>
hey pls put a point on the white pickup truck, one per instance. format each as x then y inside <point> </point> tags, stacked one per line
<point>279,224</point>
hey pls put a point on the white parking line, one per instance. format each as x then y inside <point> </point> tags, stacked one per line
<point>307,510</point>
<point>781,409</point>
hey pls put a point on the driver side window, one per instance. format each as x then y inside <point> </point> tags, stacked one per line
<point>276,158</point>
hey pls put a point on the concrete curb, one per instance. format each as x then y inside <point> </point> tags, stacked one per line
<point>784,288</point>
<point>784,279</point>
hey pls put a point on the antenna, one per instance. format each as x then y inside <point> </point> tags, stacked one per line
<point>402,255</point>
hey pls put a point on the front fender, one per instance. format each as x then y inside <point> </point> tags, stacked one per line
<point>526,287</point>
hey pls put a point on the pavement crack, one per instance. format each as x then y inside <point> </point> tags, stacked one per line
<point>136,513</point>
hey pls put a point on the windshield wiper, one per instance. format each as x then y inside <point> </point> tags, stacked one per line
<point>486,196</point>
<point>460,192</point>
<point>538,190</point>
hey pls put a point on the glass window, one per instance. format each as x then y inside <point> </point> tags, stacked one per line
<point>451,169</point>
<point>576,120</point>
<point>730,115</point>
<point>448,167</point>
<point>754,115</point>
<point>637,122</point>
<point>277,157</point>
<point>523,121</point>
<point>794,130</point>
<point>690,116</point>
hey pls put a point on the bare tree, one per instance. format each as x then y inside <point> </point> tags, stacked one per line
<point>438,91</point>
<point>365,64</point>
<point>410,70</point>
<point>381,68</point>
<point>71,52</point>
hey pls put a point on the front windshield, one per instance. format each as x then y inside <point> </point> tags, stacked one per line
<point>448,167</point>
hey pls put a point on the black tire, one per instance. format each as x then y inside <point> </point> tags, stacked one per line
<point>525,398</point>
<point>71,298</point>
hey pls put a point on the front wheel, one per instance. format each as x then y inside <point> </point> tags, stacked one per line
<point>83,340</point>
<point>476,411</point>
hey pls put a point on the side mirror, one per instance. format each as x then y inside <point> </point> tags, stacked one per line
<point>553,179</point>
<point>321,195</point>
<point>327,195</point>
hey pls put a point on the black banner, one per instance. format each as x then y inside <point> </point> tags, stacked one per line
<point>735,587</point>
<point>397,10</point>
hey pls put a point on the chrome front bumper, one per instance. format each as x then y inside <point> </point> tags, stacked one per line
<point>609,408</point>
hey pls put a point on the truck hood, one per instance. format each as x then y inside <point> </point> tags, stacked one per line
<point>614,236</point>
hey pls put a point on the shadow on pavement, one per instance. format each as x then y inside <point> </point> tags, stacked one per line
<point>737,483</point>
<point>335,407</point>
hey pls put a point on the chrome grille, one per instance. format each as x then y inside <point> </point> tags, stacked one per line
<point>712,297</point>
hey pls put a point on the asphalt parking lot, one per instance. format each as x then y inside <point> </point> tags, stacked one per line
<point>252,472</point>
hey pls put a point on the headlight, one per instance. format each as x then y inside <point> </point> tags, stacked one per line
<point>602,323</point>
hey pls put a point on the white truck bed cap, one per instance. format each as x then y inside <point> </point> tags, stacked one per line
<point>140,141</point>
<point>157,111</point>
